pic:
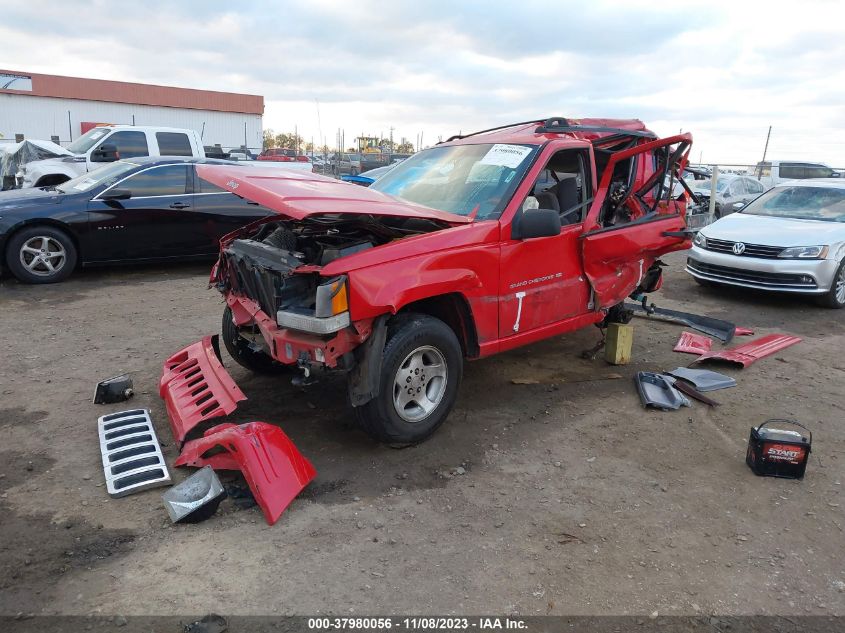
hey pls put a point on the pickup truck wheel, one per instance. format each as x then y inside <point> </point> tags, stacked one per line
<point>422,366</point>
<point>239,349</point>
<point>41,255</point>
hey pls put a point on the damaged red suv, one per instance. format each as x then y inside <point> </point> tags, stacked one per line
<point>478,245</point>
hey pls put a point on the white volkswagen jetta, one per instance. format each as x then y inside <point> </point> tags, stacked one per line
<point>790,239</point>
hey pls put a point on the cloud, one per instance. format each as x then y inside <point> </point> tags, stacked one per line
<point>725,71</point>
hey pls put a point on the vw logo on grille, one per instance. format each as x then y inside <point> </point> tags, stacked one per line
<point>739,248</point>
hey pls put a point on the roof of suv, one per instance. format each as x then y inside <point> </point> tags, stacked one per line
<point>540,131</point>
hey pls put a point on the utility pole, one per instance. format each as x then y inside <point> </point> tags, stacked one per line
<point>766,148</point>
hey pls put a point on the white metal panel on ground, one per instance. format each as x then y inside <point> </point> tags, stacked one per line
<point>43,117</point>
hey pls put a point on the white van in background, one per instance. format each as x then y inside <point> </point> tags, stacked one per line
<point>771,173</point>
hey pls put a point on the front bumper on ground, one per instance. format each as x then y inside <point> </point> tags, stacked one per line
<point>272,465</point>
<point>289,346</point>
<point>196,387</point>
<point>811,276</point>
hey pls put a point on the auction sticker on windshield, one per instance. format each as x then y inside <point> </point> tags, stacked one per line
<point>503,155</point>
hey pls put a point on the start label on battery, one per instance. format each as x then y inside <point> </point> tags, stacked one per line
<point>784,453</point>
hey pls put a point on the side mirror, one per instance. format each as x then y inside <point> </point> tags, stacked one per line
<point>105,153</point>
<point>537,223</point>
<point>738,205</point>
<point>116,194</point>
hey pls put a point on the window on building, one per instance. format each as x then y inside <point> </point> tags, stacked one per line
<point>9,81</point>
<point>173,144</point>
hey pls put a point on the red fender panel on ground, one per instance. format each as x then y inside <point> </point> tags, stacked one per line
<point>271,464</point>
<point>755,350</point>
<point>690,343</point>
<point>196,387</point>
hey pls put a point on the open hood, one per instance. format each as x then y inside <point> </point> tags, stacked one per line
<point>297,194</point>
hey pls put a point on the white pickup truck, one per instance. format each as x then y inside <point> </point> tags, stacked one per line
<point>109,143</point>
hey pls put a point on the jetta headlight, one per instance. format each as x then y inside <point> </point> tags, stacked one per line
<point>700,240</point>
<point>804,252</point>
<point>332,298</point>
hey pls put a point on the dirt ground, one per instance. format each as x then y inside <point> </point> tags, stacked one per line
<point>573,498</point>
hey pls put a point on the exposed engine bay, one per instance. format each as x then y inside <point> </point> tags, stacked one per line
<point>260,264</point>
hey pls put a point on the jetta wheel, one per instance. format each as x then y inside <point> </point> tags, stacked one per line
<point>41,255</point>
<point>421,370</point>
<point>835,298</point>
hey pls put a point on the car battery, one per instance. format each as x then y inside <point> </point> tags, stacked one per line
<point>779,451</point>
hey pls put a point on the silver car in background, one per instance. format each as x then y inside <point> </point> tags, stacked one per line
<point>730,189</point>
<point>790,239</point>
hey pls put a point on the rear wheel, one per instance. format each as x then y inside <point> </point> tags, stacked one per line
<point>245,353</point>
<point>41,255</point>
<point>421,371</point>
<point>835,298</point>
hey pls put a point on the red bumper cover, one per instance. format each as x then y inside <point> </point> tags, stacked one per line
<point>273,467</point>
<point>196,387</point>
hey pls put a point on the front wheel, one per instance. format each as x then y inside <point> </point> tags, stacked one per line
<point>422,365</point>
<point>41,255</point>
<point>243,352</point>
<point>835,297</point>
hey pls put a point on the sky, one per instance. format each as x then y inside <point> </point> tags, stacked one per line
<point>724,71</point>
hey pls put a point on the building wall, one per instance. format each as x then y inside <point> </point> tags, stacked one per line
<point>42,117</point>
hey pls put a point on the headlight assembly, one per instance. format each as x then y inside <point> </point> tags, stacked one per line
<point>804,252</point>
<point>332,298</point>
<point>700,240</point>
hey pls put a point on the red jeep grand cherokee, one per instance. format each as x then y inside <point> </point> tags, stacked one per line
<point>475,246</point>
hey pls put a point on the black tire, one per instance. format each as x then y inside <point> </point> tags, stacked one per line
<point>831,300</point>
<point>31,252</point>
<point>241,352</point>
<point>407,335</point>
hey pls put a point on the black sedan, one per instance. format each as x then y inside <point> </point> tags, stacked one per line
<point>132,210</point>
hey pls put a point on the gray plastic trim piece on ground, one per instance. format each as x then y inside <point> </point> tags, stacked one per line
<point>658,391</point>
<point>703,379</point>
<point>132,459</point>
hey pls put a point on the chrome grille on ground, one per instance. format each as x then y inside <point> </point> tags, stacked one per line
<point>750,250</point>
<point>757,278</point>
<point>132,458</point>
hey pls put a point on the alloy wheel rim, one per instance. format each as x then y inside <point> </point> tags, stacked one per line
<point>420,383</point>
<point>840,286</point>
<point>43,256</point>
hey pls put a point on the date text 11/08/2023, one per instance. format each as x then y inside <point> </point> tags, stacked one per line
<point>430,623</point>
